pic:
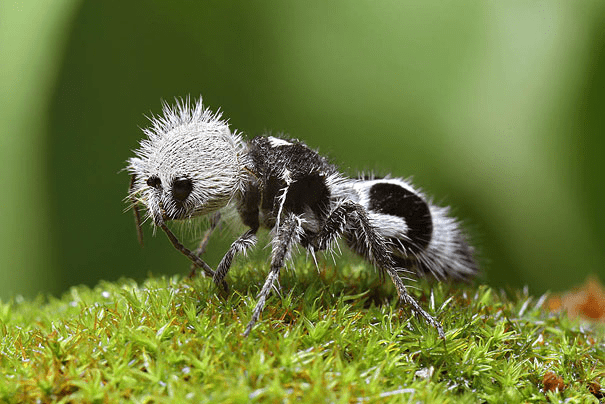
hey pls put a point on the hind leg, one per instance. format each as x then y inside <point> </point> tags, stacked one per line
<point>353,218</point>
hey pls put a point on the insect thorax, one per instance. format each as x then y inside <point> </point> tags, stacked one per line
<point>289,177</point>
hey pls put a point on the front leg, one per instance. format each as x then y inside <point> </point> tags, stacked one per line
<point>197,261</point>
<point>287,234</point>
<point>353,218</point>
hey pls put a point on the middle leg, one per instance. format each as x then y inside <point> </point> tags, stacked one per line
<point>288,233</point>
<point>243,243</point>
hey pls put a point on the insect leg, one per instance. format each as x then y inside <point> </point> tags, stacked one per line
<point>282,243</point>
<point>407,299</point>
<point>355,215</point>
<point>214,221</point>
<point>194,258</point>
<point>245,241</point>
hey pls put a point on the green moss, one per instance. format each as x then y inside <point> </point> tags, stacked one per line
<point>336,337</point>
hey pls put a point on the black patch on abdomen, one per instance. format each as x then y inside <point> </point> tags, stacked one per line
<point>392,199</point>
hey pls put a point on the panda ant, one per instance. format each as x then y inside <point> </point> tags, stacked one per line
<point>192,164</point>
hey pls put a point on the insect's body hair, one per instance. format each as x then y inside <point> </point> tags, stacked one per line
<point>422,236</point>
<point>188,142</point>
<point>192,164</point>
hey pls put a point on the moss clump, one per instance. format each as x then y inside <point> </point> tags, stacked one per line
<point>337,337</point>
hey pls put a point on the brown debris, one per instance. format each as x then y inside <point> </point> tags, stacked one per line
<point>587,301</point>
<point>553,382</point>
<point>595,389</point>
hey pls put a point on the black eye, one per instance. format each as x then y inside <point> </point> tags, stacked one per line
<point>154,181</point>
<point>181,189</point>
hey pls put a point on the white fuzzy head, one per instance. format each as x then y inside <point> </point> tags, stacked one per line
<point>190,163</point>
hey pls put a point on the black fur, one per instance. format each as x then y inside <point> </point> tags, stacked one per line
<point>395,200</point>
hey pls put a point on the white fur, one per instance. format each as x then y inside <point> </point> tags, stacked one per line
<point>188,141</point>
<point>276,142</point>
<point>443,257</point>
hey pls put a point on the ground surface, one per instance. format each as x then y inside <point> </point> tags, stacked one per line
<point>336,337</point>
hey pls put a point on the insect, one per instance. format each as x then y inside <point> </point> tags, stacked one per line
<point>192,164</point>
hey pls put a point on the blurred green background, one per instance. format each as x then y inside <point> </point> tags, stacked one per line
<point>495,108</point>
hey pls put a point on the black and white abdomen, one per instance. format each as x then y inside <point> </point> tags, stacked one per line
<point>422,237</point>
